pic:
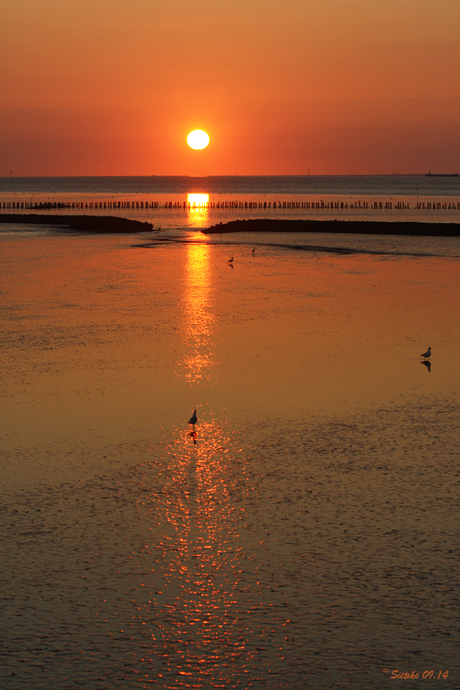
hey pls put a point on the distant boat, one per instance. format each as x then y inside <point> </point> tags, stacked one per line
<point>430,174</point>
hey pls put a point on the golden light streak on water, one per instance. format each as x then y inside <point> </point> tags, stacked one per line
<point>201,576</point>
<point>196,328</point>
<point>198,205</point>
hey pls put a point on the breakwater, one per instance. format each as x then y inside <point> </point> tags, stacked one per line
<point>96,224</point>
<point>367,227</point>
<point>377,205</point>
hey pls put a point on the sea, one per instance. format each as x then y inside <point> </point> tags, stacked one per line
<point>303,533</point>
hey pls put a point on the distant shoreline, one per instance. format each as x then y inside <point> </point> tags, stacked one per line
<point>96,224</point>
<point>363,227</point>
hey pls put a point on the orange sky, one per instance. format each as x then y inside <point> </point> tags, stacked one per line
<point>112,87</point>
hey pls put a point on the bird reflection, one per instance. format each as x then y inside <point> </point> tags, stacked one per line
<point>193,420</point>
<point>427,364</point>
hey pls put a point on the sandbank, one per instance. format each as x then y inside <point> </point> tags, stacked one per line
<point>366,227</point>
<point>94,224</point>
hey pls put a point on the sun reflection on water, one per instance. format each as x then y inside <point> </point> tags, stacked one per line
<point>197,323</point>
<point>201,637</point>
<point>198,205</point>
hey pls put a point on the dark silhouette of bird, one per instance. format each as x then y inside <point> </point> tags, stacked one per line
<point>427,364</point>
<point>230,260</point>
<point>427,353</point>
<point>193,419</point>
<point>253,250</point>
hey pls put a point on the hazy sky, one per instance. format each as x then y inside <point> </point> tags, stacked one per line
<point>112,87</point>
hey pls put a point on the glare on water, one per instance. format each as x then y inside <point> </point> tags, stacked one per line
<point>197,316</point>
<point>198,210</point>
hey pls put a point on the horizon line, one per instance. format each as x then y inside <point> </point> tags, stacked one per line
<point>200,177</point>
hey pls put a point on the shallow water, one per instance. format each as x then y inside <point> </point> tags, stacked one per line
<point>391,185</point>
<point>211,200</point>
<point>304,535</point>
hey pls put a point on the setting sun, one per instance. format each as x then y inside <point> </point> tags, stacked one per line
<point>198,139</point>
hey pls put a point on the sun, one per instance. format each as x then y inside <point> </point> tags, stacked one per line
<point>198,139</point>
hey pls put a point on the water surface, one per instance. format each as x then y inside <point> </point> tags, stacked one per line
<point>302,535</point>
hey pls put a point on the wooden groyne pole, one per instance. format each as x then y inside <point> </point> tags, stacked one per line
<point>231,205</point>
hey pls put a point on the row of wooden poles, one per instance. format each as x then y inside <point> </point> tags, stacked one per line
<point>337,205</point>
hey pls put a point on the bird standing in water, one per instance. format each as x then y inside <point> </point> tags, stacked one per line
<point>427,353</point>
<point>193,419</point>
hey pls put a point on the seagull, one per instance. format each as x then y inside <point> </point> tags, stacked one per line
<point>427,353</point>
<point>230,260</point>
<point>254,250</point>
<point>193,419</point>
